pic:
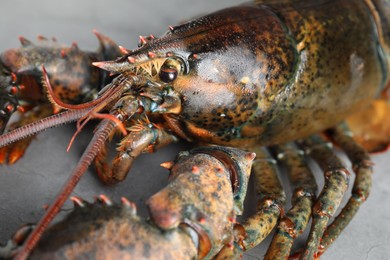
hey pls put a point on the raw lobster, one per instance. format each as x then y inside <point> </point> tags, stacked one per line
<point>270,113</point>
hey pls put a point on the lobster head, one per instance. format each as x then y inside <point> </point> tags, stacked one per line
<point>225,71</point>
<point>155,70</point>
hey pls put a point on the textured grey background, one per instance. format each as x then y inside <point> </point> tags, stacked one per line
<point>33,182</point>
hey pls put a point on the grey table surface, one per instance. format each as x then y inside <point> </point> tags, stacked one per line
<point>34,180</point>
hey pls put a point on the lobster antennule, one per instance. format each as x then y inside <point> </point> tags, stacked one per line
<point>58,103</point>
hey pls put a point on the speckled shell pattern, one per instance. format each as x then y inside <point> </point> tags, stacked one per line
<point>271,72</point>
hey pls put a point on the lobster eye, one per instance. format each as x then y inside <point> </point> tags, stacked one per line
<point>168,74</point>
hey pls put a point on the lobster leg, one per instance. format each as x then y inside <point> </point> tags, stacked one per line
<point>336,183</point>
<point>297,218</point>
<point>362,167</point>
<point>271,199</point>
<point>144,139</point>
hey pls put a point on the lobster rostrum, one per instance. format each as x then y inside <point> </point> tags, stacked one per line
<point>263,73</point>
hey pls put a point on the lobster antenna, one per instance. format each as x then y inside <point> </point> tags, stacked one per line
<point>97,142</point>
<point>119,124</point>
<point>42,125</point>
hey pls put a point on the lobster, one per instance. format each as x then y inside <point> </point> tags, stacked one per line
<point>282,110</point>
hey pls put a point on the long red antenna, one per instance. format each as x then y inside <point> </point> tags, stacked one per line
<point>42,125</point>
<point>97,142</point>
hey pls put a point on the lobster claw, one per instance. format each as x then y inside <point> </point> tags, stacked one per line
<point>199,170</point>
